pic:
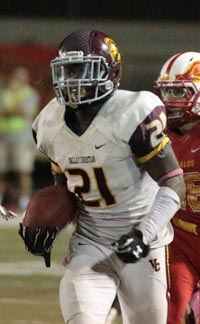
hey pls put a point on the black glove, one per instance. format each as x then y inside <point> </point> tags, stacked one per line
<point>39,241</point>
<point>130,248</point>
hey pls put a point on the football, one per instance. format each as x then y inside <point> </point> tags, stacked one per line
<point>52,206</point>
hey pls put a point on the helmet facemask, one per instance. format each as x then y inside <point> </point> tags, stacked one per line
<point>80,79</point>
<point>179,88</point>
<point>182,101</point>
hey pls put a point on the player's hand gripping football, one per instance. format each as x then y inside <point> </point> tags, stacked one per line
<point>39,241</point>
<point>7,214</point>
<point>130,248</point>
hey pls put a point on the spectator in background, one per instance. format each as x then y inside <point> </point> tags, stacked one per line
<point>19,103</point>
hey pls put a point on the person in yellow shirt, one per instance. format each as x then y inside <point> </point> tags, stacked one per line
<point>19,103</point>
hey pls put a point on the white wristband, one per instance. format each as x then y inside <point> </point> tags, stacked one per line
<point>165,205</point>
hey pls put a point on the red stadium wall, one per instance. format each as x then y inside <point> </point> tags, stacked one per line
<point>37,58</point>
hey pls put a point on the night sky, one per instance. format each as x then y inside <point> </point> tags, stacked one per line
<point>175,10</point>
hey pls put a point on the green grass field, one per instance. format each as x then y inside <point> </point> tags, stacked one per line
<point>29,290</point>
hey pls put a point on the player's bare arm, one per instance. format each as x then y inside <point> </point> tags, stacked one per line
<point>59,177</point>
<point>162,168</point>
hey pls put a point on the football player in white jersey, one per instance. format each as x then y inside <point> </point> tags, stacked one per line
<point>109,147</point>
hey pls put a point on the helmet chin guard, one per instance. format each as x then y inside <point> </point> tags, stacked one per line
<point>86,69</point>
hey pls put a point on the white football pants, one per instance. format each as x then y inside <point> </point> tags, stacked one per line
<point>95,275</point>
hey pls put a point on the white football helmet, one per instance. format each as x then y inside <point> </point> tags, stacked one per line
<point>179,88</point>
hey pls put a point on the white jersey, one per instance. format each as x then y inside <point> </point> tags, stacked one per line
<point>104,165</point>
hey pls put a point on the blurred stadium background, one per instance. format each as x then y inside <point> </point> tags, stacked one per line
<point>147,33</point>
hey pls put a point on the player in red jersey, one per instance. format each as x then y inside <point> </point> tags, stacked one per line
<point>179,88</point>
